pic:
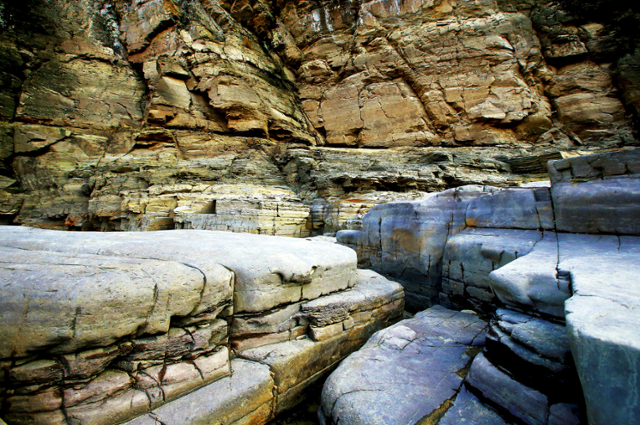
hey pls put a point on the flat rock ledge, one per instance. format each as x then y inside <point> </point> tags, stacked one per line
<point>406,372</point>
<point>175,327</point>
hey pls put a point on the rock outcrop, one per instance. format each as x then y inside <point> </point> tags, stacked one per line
<point>292,118</point>
<point>99,328</point>
<point>552,266</point>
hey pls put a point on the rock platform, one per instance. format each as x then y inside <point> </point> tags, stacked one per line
<point>175,326</point>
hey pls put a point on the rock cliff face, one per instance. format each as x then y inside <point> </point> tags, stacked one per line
<point>292,117</point>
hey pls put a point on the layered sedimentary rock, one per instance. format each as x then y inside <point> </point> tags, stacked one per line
<point>554,267</point>
<point>99,328</point>
<point>290,118</point>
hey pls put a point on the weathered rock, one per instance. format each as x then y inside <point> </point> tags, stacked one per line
<point>407,239</point>
<point>84,352</point>
<point>340,323</point>
<point>65,92</point>
<point>245,397</point>
<point>183,85</point>
<point>404,372</point>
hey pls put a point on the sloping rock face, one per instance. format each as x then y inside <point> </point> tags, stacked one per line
<point>404,372</point>
<point>101,328</point>
<point>554,267</point>
<point>290,118</point>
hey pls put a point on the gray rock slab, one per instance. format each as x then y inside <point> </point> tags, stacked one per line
<point>68,301</point>
<point>245,397</point>
<point>526,404</point>
<point>512,209</point>
<point>404,372</point>
<point>407,239</point>
<point>547,339</point>
<point>468,409</point>
<point>269,270</point>
<point>598,206</point>
<point>531,282</point>
<point>602,320</point>
<point>471,255</point>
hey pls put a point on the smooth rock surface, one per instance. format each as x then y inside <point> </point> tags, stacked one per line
<point>602,317</point>
<point>404,372</point>
<point>532,281</point>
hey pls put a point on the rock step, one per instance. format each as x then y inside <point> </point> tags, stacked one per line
<point>405,372</point>
<point>243,398</point>
<point>340,324</point>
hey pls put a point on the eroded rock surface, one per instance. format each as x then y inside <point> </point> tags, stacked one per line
<point>99,328</point>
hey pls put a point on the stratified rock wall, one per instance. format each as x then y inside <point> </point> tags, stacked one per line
<point>101,328</point>
<point>290,118</point>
